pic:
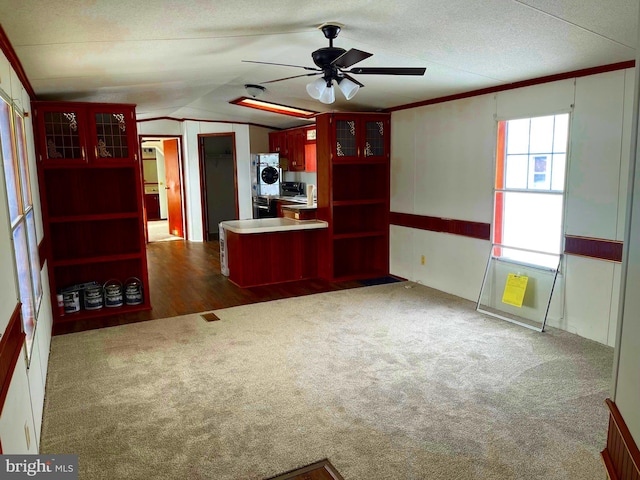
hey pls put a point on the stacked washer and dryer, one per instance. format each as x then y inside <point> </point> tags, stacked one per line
<point>266,184</point>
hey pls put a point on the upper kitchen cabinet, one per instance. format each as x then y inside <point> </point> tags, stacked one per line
<point>353,194</point>
<point>75,133</point>
<point>278,143</point>
<point>296,147</point>
<point>296,141</point>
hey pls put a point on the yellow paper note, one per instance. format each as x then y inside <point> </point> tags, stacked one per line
<point>514,290</point>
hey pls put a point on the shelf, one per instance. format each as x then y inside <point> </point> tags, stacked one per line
<point>364,201</point>
<point>100,259</point>
<point>343,236</point>
<point>84,165</point>
<point>93,217</point>
<point>359,161</point>
<point>103,312</point>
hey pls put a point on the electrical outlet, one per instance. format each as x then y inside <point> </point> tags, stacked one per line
<point>422,260</point>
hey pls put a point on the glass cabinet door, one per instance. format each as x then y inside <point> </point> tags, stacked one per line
<point>346,138</point>
<point>374,141</point>
<point>111,141</point>
<point>63,135</point>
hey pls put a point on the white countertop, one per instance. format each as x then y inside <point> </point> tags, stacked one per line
<point>301,206</point>
<point>265,225</point>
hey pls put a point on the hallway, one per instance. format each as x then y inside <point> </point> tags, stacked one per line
<point>185,277</point>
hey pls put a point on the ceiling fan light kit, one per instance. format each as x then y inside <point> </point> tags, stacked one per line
<point>332,62</point>
<point>348,88</point>
<point>328,95</point>
<point>316,88</point>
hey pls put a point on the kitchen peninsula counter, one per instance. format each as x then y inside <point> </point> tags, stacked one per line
<point>267,251</point>
<point>264,225</point>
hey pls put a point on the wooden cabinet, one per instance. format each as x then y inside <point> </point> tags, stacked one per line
<point>296,147</point>
<point>152,205</point>
<point>278,143</point>
<point>91,192</point>
<point>295,141</point>
<point>353,194</point>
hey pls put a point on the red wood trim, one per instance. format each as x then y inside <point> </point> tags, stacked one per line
<point>10,349</point>
<point>621,456</point>
<point>444,225</point>
<point>608,465</point>
<point>42,251</point>
<point>183,119</point>
<point>523,83</point>
<point>602,249</point>
<point>10,53</point>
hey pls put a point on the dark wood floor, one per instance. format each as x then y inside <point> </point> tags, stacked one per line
<point>184,277</point>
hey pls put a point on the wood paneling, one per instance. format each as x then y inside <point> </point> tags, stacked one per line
<point>444,225</point>
<point>599,248</point>
<point>10,348</point>
<point>621,456</point>
<point>268,258</point>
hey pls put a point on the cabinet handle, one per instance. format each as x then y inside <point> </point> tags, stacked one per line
<point>96,147</point>
<point>83,153</point>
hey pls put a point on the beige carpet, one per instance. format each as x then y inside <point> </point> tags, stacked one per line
<point>388,382</point>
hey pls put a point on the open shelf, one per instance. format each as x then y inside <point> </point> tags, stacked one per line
<point>92,260</point>
<point>102,312</point>
<point>359,182</point>
<point>360,257</point>
<point>360,217</point>
<point>93,217</point>
<point>80,191</point>
<point>88,239</point>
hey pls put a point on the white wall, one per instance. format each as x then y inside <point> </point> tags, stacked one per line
<point>443,165</point>
<point>190,131</point>
<point>21,417</point>
<point>626,393</point>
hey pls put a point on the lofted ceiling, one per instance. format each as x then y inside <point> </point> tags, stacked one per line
<point>183,59</point>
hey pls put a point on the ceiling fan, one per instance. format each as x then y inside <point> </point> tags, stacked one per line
<point>332,63</point>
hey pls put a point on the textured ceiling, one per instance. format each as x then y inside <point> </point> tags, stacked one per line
<point>183,59</point>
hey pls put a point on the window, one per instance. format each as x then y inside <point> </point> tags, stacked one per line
<point>529,189</point>
<point>13,148</point>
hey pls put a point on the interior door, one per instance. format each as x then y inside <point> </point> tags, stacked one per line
<point>174,187</point>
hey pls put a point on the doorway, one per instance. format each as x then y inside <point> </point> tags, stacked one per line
<point>219,181</point>
<point>163,188</point>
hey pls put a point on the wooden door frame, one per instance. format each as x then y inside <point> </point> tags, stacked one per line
<point>203,183</point>
<point>183,202</point>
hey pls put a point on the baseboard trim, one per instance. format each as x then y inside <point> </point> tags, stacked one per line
<point>621,457</point>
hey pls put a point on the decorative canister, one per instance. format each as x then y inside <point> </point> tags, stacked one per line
<point>71,299</point>
<point>133,294</point>
<point>113,293</point>
<point>92,297</point>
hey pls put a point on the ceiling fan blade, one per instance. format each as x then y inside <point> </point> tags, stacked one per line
<point>350,57</point>
<point>283,65</point>
<point>388,70</point>
<point>295,76</point>
<point>349,77</point>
